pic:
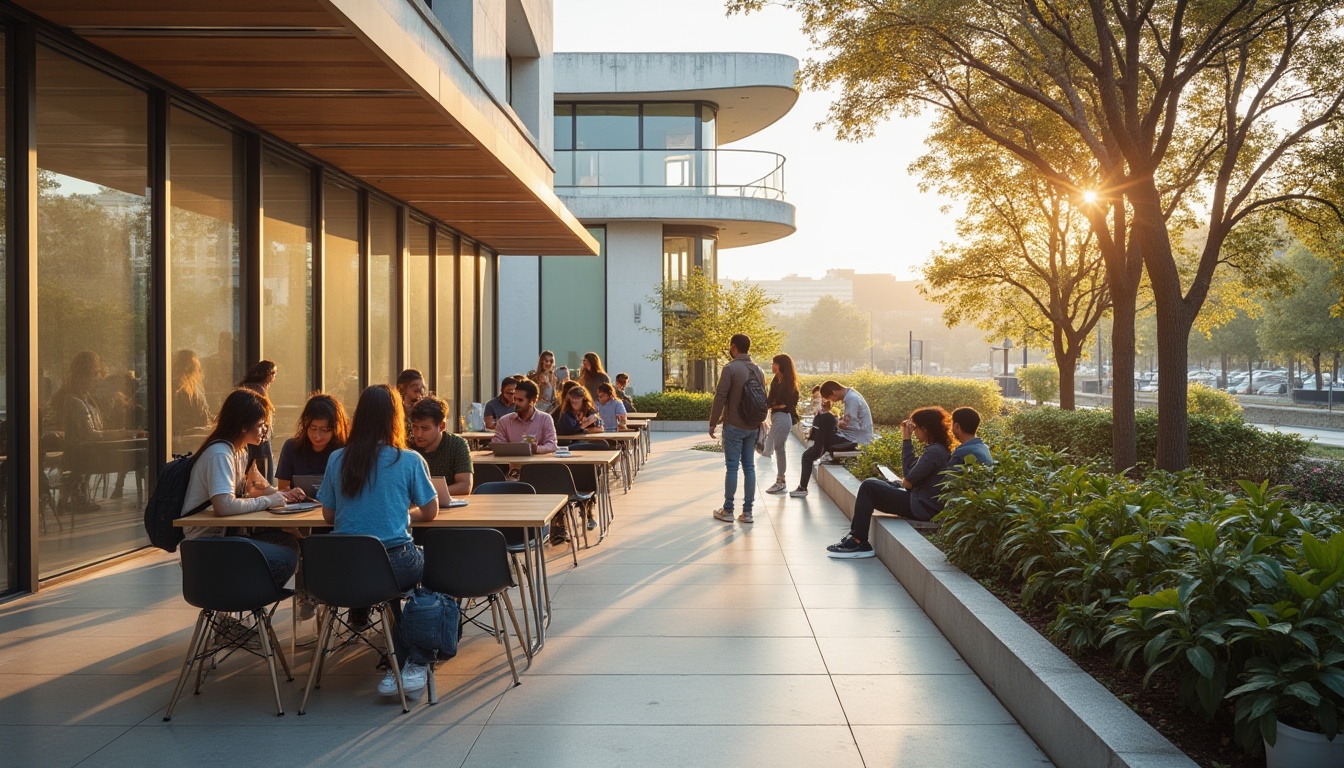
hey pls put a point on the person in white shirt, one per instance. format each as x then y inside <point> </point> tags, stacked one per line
<point>610,408</point>
<point>853,429</point>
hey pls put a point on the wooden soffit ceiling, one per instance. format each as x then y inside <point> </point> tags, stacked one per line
<point>346,82</point>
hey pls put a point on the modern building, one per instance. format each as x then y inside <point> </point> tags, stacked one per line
<point>640,159</point>
<point>328,184</point>
<point>797,294</point>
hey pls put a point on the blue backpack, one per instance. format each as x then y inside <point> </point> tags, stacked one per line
<point>430,625</point>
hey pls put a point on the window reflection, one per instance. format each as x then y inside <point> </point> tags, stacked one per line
<point>286,280</point>
<point>340,294</point>
<point>417,297</point>
<point>445,289</point>
<point>382,329</point>
<point>467,324</point>
<point>607,126</point>
<point>574,304</point>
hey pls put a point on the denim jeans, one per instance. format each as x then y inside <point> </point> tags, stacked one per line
<point>881,496</point>
<point>281,551</point>
<point>738,447</point>
<point>408,564</point>
<point>824,438</point>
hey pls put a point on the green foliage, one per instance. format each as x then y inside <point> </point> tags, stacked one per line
<point>676,405</point>
<point>1230,596</point>
<point>892,396</point>
<point>1040,381</point>
<point>885,449</point>
<point>833,331</point>
<point>699,316</point>
<point>1214,403</point>
<point>1318,481</point>
<point>1224,449</point>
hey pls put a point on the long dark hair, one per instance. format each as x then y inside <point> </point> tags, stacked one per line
<point>318,408</point>
<point>561,397</point>
<point>258,375</point>
<point>241,410</point>
<point>586,408</point>
<point>936,423</point>
<point>787,376</point>
<point>379,420</point>
<point>594,374</point>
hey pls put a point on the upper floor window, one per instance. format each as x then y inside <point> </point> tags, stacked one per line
<point>634,126</point>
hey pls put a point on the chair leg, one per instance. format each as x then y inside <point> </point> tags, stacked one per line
<point>264,632</point>
<point>319,652</point>
<point>433,690</point>
<point>573,534</point>
<point>583,522</point>
<point>524,584</point>
<point>392,654</point>
<point>275,643</point>
<point>508,647</point>
<point>193,649</point>
<point>513,617</point>
<point>206,643</point>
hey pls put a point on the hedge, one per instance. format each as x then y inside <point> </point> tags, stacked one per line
<point>893,397</point>
<point>676,405</point>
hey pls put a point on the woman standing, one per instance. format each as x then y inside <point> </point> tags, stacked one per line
<point>323,427</point>
<point>579,415</point>
<point>190,408</point>
<point>544,377</point>
<point>591,374</point>
<point>368,486</point>
<point>783,400</point>
<point>259,379</point>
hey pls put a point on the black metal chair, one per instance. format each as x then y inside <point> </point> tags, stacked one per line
<point>223,576</point>
<point>556,478</point>
<point>591,445</point>
<point>486,473</point>
<point>518,543</point>
<point>347,571</point>
<point>472,563</point>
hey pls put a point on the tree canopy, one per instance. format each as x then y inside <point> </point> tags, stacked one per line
<point>700,315</point>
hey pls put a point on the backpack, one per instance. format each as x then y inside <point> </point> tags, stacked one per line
<point>754,407</point>
<point>430,625</point>
<point>166,500</point>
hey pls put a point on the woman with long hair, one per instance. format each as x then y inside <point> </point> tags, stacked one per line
<point>562,396</point>
<point>916,496</point>
<point>783,400</point>
<point>259,379</point>
<point>591,374</point>
<point>79,417</point>
<point>544,377</point>
<point>219,478</point>
<point>579,416</point>
<point>323,427</point>
<point>367,488</point>
<point>190,408</point>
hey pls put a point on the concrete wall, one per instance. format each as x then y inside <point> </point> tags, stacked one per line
<point>634,270</point>
<point>519,329</point>
<point>740,220</point>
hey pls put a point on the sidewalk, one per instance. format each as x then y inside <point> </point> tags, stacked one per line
<point>679,640</point>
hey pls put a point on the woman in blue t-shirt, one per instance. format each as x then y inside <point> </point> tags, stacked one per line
<point>368,486</point>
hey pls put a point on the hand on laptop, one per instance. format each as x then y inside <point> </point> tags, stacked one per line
<point>293,495</point>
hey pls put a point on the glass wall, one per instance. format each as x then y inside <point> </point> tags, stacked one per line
<point>8,510</point>
<point>286,285</point>
<point>683,253</point>
<point>445,277</point>
<point>93,260</point>
<point>574,304</point>
<point>205,166</point>
<point>340,294</point>
<point>418,337</point>
<point>382,290</point>
<point>641,147</point>
<point>487,276</point>
<point>466,282</point>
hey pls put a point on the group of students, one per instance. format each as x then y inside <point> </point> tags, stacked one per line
<point>949,439</point>
<point>374,468</point>
<point>591,402</point>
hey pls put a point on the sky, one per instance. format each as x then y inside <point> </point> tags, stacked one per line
<point>857,207</point>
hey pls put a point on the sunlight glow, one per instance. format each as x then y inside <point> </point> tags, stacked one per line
<point>1089,196</point>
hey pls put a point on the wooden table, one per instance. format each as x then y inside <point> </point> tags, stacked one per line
<point>578,458</point>
<point>646,416</point>
<point>624,439</point>
<point>529,512</point>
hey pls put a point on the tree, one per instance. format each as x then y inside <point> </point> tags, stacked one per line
<point>1027,266</point>
<point>699,316</point>
<point>833,331</point>
<point>1300,321</point>
<point>1161,114</point>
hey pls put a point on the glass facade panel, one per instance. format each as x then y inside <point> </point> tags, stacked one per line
<point>466,283</point>
<point>8,509</point>
<point>564,126</point>
<point>206,173</point>
<point>286,285</point>
<point>487,278</point>
<point>670,126</point>
<point>93,266</point>
<point>340,294</point>
<point>382,290</point>
<point>418,298</point>
<point>678,257</point>
<point>574,304</point>
<point>708,257</point>
<point>607,126</point>
<point>444,381</point>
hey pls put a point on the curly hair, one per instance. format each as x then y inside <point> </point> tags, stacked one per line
<point>936,423</point>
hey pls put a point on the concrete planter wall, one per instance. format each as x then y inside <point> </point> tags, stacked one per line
<point>680,426</point>
<point>1071,716</point>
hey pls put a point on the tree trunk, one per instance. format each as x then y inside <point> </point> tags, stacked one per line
<point>1124,451</point>
<point>1222,380</point>
<point>1066,357</point>
<point>1173,394</point>
<point>1315,364</point>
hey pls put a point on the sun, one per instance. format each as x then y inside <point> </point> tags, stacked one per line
<point>1089,196</point>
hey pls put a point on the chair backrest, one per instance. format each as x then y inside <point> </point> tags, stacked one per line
<point>591,445</point>
<point>348,571</point>
<point>548,478</point>
<point>486,473</point>
<point>504,487</point>
<point>466,562</point>
<point>585,477</point>
<point>227,574</point>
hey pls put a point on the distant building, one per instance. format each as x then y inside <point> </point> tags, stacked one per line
<point>797,294</point>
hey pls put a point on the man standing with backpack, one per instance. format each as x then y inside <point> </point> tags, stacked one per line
<point>740,403</point>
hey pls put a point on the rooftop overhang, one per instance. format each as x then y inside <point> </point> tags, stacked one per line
<point>739,221</point>
<point>751,90</point>
<point>371,86</point>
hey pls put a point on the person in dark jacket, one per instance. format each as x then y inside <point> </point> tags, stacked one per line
<point>965,423</point>
<point>917,495</point>
<point>739,436</point>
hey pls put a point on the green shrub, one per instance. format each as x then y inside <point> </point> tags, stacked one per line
<point>676,405</point>
<point>1212,402</point>
<point>892,397</point>
<point>1225,450</point>
<point>1318,480</point>
<point>1040,381</point>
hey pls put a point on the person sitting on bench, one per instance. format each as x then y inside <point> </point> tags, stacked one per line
<point>852,429</point>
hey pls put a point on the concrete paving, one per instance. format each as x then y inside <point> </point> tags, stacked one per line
<point>679,640</point>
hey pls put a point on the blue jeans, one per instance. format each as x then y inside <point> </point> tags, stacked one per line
<point>738,445</point>
<point>408,564</point>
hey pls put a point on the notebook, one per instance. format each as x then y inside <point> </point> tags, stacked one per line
<point>511,449</point>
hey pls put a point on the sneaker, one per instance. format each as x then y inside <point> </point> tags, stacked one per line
<point>723,515</point>
<point>850,548</point>
<point>745,517</point>
<point>778,487</point>
<point>388,685</point>
<point>559,536</point>
<point>414,677</point>
<point>592,524</point>
<point>798,493</point>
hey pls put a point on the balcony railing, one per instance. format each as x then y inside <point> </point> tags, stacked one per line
<point>670,172</point>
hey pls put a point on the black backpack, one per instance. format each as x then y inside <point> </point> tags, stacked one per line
<point>754,406</point>
<point>165,503</point>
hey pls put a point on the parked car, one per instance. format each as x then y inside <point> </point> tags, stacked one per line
<point>1207,378</point>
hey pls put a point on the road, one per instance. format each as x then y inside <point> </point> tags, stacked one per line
<point>1333,437</point>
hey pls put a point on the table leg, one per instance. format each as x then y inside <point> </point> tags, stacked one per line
<point>540,588</point>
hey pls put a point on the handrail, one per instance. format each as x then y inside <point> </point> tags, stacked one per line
<point>670,172</point>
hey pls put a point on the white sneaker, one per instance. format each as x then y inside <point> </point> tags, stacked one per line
<point>778,487</point>
<point>388,686</point>
<point>798,493</point>
<point>414,677</point>
<point>745,517</point>
<point>723,515</point>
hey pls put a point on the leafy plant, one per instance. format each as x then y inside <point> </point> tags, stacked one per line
<point>1040,381</point>
<point>676,405</point>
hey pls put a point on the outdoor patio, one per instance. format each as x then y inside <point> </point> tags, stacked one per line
<point>678,640</point>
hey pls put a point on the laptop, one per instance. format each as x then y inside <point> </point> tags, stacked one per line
<point>511,449</point>
<point>445,498</point>
<point>295,508</point>
<point>310,484</point>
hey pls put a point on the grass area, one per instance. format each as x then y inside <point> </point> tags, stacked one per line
<point>708,447</point>
<point>1318,451</point>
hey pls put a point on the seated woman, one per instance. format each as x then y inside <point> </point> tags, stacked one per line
<point>368,486</point>
<point>323,427</point>
<point>218,477</point>
<point>579,415</point>
<point>562,397</point>
<point>916,497</point>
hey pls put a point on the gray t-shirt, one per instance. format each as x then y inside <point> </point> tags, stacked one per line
<point>217,470</point>
<point>860,429</point>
